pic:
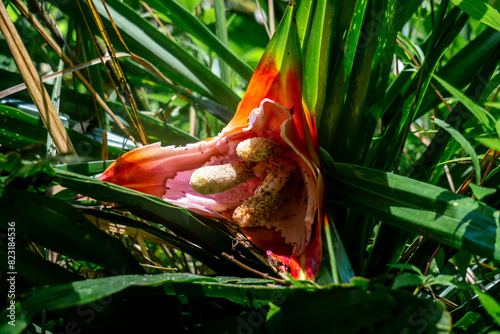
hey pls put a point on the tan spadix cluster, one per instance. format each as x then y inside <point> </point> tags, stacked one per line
<point>257,154</point>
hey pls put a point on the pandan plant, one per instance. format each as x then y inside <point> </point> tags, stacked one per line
<point>249,166</point>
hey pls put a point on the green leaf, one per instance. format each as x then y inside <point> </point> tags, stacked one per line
<point>190,24</point>
<point>317,53</point>
<point>481,114</point>
<point>493,105</point>
<point>481,192</point>
<point>197,252</point>
<point>303,17</point>
<point>82,292</point>
<point>354,34</point>
<point>148,42</point>
<point>493,143</point>
<point>407,266</point>
<point>221,30</point>
<point>369,46</point>
<point>10,162</point>
<point>448,280</point>
<point>462,261</point>
<point>59,227</point>
<point>86,168</point>
<point>360,306</point>
<point>190,5</point>
<point>213,236</point>
<point>407,279</point>
<point>480,11</point>
<point>16,141</point>
<point>464,66</point>
<point>489,303</point>
<point>465,145</point>
<point>472,322</point>
<point>340,269</point>
<point>407,103</point>
<point>440,149</point>
<point>419,207</point>
<point>79,293</point>
<point>415,50</point>
<point>357,309</point>
<point>30,131</point>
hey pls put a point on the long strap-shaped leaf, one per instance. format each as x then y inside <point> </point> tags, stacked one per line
<point>19,130</point>
<point>56,225</point>
<point>214,238</point>
<point>437,151</point>
<point>457,221</point>
<point>189,23</point>
<point>358,307</point>
<point>317,49</point>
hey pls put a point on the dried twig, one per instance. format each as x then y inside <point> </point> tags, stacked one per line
<point>69,63</point>
<point>37,90</point>
<point>20,87</point>
<point>261,274</point>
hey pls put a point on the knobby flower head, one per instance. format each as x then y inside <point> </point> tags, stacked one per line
<point>260,174</point>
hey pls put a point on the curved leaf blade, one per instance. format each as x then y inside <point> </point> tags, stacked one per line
<point>455,220</point>
<point>213,236</point>
<point>465,145</point>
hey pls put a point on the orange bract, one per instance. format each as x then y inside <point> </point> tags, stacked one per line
<point>272,191</point>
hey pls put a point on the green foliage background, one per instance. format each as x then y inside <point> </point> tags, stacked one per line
<point>405,95</point>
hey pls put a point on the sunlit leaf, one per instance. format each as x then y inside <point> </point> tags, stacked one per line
<point>480,11</point>
<point>465,145</point>
<point>418,207</point>
<point>481,114</point>
<point>489,303</point>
